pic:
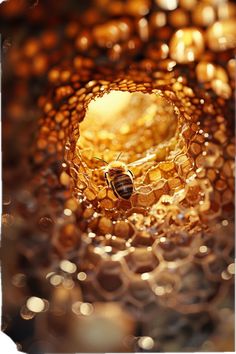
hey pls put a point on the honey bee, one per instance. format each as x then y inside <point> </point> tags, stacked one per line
<point>119,178</point>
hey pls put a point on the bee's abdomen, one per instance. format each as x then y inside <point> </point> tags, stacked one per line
<point>123,186</point>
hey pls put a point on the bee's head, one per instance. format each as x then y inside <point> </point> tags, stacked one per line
<point>116,167</point>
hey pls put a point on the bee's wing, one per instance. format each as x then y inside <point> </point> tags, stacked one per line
<point>142,161</point>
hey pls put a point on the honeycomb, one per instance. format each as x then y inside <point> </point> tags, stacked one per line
<point>149,83</point>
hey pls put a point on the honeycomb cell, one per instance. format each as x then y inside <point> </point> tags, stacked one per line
<point>67,238</point>
<point>105,226</point>
<point>122,229</point>
<point>146,200</point>
<point>141,260</point>
<point>190,298</point>
<point>164,284</point>
<point>216,269</point>
<point>142,238</point>
<point>141,293</point>
<point>111,279</point>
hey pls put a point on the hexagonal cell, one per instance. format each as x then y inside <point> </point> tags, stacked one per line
<point>166,244</point>
<point>117,244</point>
<point>89,261</point>
<point>68,238</point>
<point>176,254</point>
<point>154,174</point>
<point>107,198</point>
<point>141,260</point>
<point>124,204</point>
<point>161,188</point>
<point>195,289</point>
<point>105,226</point>
<point>141,293</point>
<point>146,200</point>
<point>110,278</point>
<point>193,195</point>
<point>216,268</point>
<point>107,203</point>
<point>165,283</point>
<point>122,229</point>
<point>142,238</point>
<point>174,245</point>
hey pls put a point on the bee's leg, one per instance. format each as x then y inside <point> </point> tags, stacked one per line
<point>107,179</point>
<point>132,177</point>
<point>131,173</point>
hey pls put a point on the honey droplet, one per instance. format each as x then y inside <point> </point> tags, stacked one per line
<point>187,4</point>
<point>179,18</point>
<point>226,10</point>
<point>158,19</point>
<point>167,4</point>
<point>231,66</point>
<point>205,71</point>
<point>221,88</point>
<point>186,45</point>
<point>203,14</point>
<point>221,35</point>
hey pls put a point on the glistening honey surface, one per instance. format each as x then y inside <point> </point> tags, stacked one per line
<point>153,83</point>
